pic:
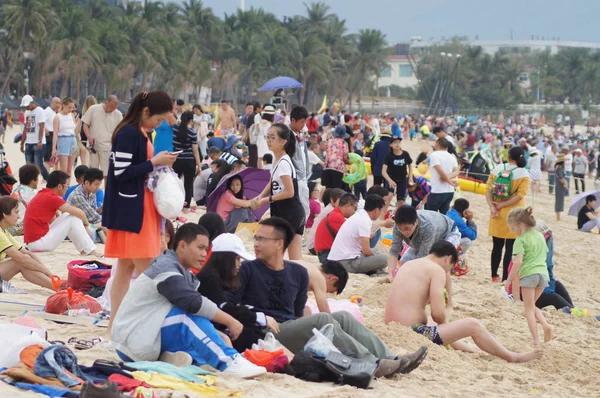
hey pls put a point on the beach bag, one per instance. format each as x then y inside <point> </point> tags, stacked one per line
<point>83,279</point>
<point>350,371</point>
<point>310,367</point>
<point>461,267</point>
<point>69,299</point>
<point>169,194</point>
<point>502,185</point>
<point>253,134</point>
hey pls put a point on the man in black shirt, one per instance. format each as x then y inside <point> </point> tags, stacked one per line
<point>588,218</point>
<point>278,288</point>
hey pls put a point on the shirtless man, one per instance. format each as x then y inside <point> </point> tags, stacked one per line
<point>330,277</point>
<point>227,119</point>
<point>420,282</point>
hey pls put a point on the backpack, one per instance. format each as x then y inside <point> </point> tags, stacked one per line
<point>502,185</point>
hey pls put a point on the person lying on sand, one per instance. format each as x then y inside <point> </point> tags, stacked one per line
<point>420,282</point>
<point>14,258</point>
<point>279,288</point>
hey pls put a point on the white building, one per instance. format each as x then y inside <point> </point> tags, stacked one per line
<point>513,46</point>
<point>399,72</point>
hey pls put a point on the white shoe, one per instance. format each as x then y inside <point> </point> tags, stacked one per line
<point>241,367</point>
<point>179,358</point>
<point>9,288</point>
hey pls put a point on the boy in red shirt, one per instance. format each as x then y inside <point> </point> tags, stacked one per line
<point>44,231</point>
<point>331,224</point>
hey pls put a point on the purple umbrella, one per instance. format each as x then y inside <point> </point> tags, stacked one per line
<point>578,203</point>
<point>255,180</point>
<point>281,82</point>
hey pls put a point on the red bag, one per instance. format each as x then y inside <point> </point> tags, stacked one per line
<point>82,279</point>
<point>65,300</point>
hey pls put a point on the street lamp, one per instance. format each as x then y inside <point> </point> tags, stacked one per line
<point>28,57</point>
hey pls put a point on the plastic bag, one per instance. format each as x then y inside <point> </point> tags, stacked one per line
<point>322,341</point>
<point>66,300</point>
<point>270,344</point>
<point>12,347</point>
<point>83,279</point>
<point>169,194</point>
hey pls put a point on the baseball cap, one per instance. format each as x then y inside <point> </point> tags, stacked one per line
<point>231,243</point>
<point>27,99</point>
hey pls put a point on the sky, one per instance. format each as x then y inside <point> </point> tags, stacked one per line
<point>490,20</point>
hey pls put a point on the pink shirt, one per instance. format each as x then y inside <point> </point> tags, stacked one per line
<point>315,209</point>
<point>224,206</point>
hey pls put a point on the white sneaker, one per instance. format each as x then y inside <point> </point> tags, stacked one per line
<point>9,288</point>
<point>179,358</point>
<point>241,367</point>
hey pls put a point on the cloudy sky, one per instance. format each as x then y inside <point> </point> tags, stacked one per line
<point>489,19</point>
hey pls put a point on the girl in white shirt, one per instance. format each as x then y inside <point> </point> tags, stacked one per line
<point>64,140</point>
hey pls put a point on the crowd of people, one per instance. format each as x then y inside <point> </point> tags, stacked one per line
<point>197,294</point>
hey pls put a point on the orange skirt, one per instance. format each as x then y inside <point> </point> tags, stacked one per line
<point>145,244</point>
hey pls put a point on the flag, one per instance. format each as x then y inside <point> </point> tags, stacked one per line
<point>323,105</point>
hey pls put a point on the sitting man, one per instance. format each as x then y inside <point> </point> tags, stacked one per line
<point>44,231</point>
<point>421,282</point>
<point>588,218</point>
<point>14,258</point>
<point>468,230</point>
<point>382,221</point>
<point>79,174</point>
<point>163,315</point>
<point>329,227</point>
<point>279,289</point>
<point>351,246</point>
<point>84,198</point>
<point>330,199</point>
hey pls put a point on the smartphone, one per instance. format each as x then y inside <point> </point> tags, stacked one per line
<point>175,153</point>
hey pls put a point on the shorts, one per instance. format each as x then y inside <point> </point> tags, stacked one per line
<point>401,190</point>
<point>99,160</point>
<point>66,144</point>
<point>535,280</point>
<point>431,332</point>
<point>332,179</point>
<point>48,147</point>
<point>227,132</point>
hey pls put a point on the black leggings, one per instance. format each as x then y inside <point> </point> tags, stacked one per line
<point>559,299</point>
<point>499,244</point>
<point>187,168</point>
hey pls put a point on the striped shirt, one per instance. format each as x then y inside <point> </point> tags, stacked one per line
<point>185,146</point>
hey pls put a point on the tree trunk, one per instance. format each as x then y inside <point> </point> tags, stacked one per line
<point>144,77</point>
<point>13,65</point>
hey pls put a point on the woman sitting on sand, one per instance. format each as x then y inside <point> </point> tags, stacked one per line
<point>233,206</point>
<point>14,258</point>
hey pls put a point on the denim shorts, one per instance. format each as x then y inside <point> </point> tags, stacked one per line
<point>66,144</point>
<point>535,280</point>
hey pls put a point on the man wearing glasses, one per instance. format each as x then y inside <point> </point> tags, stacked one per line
<point>278,288</point>
<point>43,231</point>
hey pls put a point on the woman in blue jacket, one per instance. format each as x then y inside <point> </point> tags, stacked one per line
<point>129,212</point>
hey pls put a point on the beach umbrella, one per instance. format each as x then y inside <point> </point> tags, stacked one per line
<point>281,82</point>
<point>255,180</point>
<point>578,203</point>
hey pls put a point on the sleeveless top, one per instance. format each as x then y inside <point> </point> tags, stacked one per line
<point>66,126</point>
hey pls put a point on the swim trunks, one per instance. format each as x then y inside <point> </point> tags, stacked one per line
<point>431,332</point>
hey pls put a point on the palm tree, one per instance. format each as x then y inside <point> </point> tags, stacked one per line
<point>369,59</point>
<point>24,19</point>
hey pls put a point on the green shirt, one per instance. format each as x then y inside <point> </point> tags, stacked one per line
<point>532,246</point>
<point>6,242</point>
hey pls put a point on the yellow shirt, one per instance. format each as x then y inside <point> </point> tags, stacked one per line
<point>6,242</point>
<point>520,186</point>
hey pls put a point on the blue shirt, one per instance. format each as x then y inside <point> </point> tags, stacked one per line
<point>99,195</point>
<point>163,141</point>
<point>396,130</point>
<point>466,230</point>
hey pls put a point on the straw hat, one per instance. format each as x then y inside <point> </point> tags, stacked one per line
<point>561,158</point>
<point>386,132</point>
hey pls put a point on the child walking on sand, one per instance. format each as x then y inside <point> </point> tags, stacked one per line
<point>529,271</point>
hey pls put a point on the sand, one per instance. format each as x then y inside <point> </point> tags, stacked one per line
<point>569,367</point>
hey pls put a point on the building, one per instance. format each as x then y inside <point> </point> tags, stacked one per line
<point>399,72</point>
<point>512,46</point>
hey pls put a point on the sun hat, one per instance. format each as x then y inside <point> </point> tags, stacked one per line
<point>561,158</point>
<point>231,243</point>
<point>27,99</point>
<point>268,110</point>
<point>578,150</point>
<point>340,132</point>
<point>386,132</point>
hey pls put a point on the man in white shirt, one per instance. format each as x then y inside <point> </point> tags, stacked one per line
<point>50,112</point>
<point>550,161</point>
<point>351,245</point>
<point>34,138</point>
<point>444,170</point>
<point>580,167</point>
<point>99,123</point>
<point>568,167</point>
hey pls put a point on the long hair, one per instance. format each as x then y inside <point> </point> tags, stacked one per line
<point>183,127</point>
<point>223,264</point>
<point>239,195</point>
<point>157,102</point>
<point>285,133</point>
<point>89,101</point>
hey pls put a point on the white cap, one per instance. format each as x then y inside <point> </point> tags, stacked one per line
<point>231,243</point>
<point>28,99</point>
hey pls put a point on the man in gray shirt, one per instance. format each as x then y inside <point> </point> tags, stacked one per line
<point>298,117</point>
